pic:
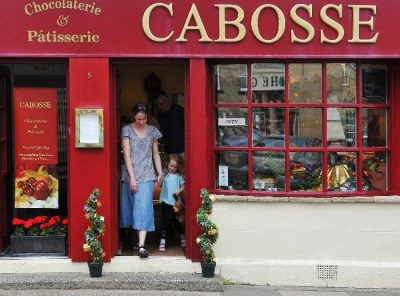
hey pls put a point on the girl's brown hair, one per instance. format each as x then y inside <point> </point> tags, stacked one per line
<point>179,163</point>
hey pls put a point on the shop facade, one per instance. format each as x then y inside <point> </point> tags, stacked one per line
<point>290,119</point>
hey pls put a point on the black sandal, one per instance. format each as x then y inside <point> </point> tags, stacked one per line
<point>143,252</point>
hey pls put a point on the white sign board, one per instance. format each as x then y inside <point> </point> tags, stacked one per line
<point>231,121</point>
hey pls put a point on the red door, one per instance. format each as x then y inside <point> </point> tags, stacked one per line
<point>5,160</point>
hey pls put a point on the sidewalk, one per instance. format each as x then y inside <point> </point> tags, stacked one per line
<point>237,290</point>
<point>173,276</point>
<point>155,283</point>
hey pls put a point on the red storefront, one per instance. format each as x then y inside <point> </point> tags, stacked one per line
<point>97,48</point>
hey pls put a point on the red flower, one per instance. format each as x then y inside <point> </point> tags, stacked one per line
<point>52,221</point>
<point>17,221</point>
<point>40,219</point>
<point>40,225</point>
<point>28,224</point>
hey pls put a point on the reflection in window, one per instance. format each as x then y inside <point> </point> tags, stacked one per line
<point>305,127</point>
<point>341,127</point>
<point>231,83</point>
<point>374,84</point>
<point>292,133</point>
<point>341,175</point>
<point>268,83</point>
<point>374,170</point>
<point>269,171</point>
<point>341,83</point>
<point>268,127</point>
<point>305,171</point>
<point>374,127</point>
<point>232,127</point>
<point>305,83</point>
<point>231,170</point>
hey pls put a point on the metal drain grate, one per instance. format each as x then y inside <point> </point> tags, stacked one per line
<point>327,272</point>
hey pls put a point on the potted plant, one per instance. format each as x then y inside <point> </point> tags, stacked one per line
<point>207,239</point>
<point>92,234</point>
<point>40,235</point>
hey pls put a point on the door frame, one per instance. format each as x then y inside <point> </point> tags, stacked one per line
<point>115,132</point>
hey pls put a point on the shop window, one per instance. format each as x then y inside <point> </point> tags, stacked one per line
<point>301,127</point>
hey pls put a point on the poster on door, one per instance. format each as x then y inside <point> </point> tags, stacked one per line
<point>36,148</point>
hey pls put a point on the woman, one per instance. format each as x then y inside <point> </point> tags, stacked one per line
<point>140,151</point>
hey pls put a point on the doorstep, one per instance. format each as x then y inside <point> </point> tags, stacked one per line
<point>122,273</point>
<point>111,281</point>
<point>167,264</point>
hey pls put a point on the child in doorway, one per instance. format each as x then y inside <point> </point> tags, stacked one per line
<point>172,187</point>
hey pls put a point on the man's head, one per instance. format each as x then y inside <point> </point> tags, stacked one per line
<point>163,102</point>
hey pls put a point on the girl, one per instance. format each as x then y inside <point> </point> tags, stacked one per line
<point>172,187</point>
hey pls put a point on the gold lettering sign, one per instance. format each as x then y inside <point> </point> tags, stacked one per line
<point>36,7</point>
<point>48,37</point>
<point>53,36</point>
<point>194,22</point>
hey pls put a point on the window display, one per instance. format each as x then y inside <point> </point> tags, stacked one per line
<point>313,134</point>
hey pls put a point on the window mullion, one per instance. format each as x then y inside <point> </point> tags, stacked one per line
<point>250,128</point>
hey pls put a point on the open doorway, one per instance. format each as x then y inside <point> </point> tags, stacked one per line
<point>142,83</point>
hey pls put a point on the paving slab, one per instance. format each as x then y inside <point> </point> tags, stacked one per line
<point>373,293</point>
<point>237,290</point>
<point>311,293</point>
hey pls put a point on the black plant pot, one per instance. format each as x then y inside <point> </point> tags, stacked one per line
<point>207,269</point>
<point>95,269</point>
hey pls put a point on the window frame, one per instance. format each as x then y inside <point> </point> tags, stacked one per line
<point>359,149</point>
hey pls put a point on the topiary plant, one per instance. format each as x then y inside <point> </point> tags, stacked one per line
<point>208,238</point>
<point>95,229</point>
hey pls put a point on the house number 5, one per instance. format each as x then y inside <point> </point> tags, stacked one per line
<point>89,75</point>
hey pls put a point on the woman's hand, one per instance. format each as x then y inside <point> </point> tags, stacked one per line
<point>159,179</point>
<point>133,186</point>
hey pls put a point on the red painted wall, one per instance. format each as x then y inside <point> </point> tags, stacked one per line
<point>25,32</point>
<point>198,165</point>
<point>89,87</point>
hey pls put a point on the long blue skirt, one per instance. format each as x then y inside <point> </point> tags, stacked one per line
<point>137,210</point>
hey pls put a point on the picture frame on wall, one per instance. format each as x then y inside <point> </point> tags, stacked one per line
<point>89,128</point>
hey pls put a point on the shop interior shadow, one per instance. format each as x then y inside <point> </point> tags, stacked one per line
<point>128,240</point>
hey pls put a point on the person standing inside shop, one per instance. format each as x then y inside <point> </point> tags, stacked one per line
<point>141,171</point>
<point>172,121</point>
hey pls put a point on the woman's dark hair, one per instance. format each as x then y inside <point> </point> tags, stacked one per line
<point>140,108</point>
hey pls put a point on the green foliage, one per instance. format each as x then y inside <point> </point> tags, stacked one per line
<point>208,238</point>
<point>95,229</point>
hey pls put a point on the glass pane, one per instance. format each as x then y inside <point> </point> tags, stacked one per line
<point>375,171</point>
<point>231,170</point>
<point>305,127</point>
<point>341,127</point>
<point>342,168</point>
<point>268,83</point>
<point>374,84</point>
<point>268,127</point>
<point>269,171</point>
<point>232,127</point>
<point>231,83</point>
<point>305,171</point>
<point>305,83</point>
<point>374,127</point>
<point>341,83</point>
